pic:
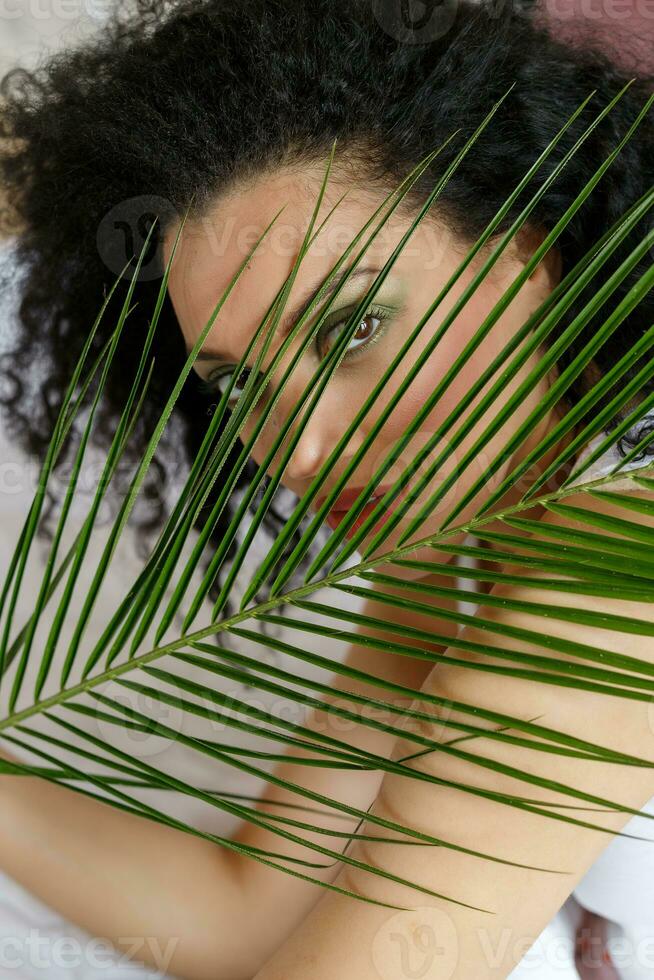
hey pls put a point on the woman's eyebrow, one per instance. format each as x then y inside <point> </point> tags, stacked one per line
<point>290,319</point>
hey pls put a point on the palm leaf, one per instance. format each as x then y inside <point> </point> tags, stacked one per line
<point>599,555</point>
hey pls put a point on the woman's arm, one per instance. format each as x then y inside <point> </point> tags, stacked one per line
<point>345,938</point>
<point>118,875</point>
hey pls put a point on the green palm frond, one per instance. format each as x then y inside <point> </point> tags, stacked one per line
<point>599,555</point>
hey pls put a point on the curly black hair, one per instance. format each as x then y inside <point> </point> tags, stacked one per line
<point>173,101</point>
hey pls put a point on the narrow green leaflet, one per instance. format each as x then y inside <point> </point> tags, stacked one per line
<point>202,673</point>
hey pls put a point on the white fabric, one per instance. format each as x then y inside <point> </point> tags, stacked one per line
<point>610,457</point>
<point>35,941</point>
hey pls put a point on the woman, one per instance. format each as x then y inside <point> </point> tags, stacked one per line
<point>233,110</point>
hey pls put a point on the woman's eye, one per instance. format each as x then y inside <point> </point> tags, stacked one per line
<point>367,329</point>
<point>218,385</point>
<point>366,333</point>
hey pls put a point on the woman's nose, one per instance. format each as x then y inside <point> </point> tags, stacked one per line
<point>319,434</point>
<point>310,434</point>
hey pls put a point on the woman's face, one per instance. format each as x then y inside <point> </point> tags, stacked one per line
<point>212,249</point>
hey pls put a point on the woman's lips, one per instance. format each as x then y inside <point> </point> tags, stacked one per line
<point>335,517</point>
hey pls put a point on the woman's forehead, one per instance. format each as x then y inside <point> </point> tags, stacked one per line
<point>281,210</point>
<point>213,247</point>
<point>195,296</point>
<point>288,194</point>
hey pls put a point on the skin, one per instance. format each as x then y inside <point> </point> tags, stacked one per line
<point>209,254</point>
<point>446,941</point>
<point>337,939</point>
<point>45,840</point>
